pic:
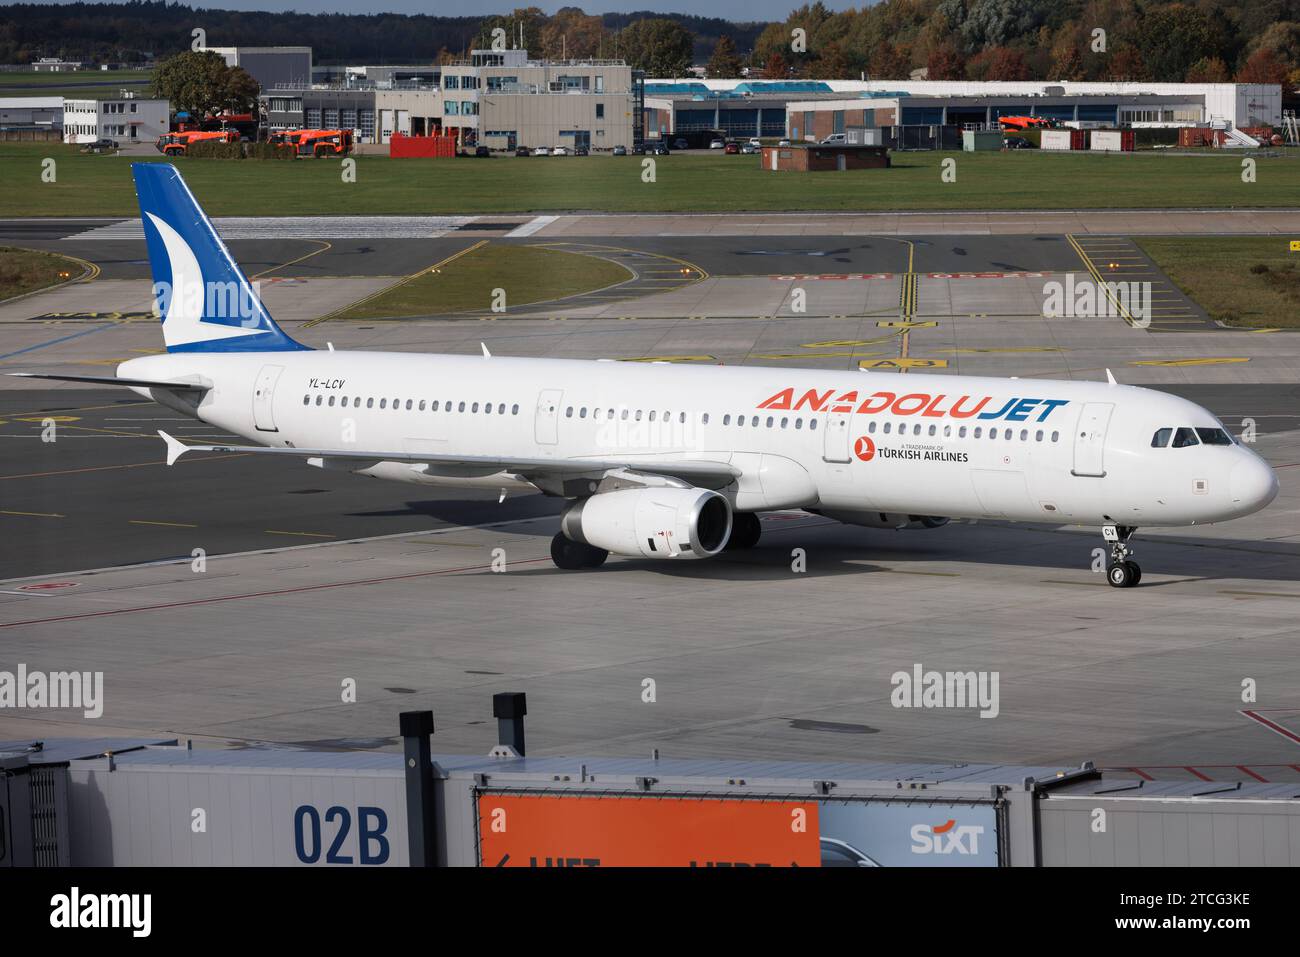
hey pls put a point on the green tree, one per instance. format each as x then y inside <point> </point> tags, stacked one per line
<point>776,68</point>
<point>662,48</point>
<point>532,19</point>
<point>1172,38</point>
<point>200,82</point>
<point>724,64</point>
<point>945,63</point>
<point>1209,70</point>
<point>889,62</point>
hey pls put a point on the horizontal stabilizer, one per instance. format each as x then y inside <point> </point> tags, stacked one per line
<point>114,380</point>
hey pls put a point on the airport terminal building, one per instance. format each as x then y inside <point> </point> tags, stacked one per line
<point>814,109</point>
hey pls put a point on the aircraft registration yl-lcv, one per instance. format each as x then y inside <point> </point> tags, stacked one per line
<point>663,461</point>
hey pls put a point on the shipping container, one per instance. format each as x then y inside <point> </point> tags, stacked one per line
<point>1112,141</point>
<point>1057,140</point>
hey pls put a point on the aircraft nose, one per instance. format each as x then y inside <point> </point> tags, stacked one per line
<point>1253,483</point>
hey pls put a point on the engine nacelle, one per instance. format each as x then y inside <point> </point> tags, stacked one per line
<point>652,522</point>
<point>884,519</point>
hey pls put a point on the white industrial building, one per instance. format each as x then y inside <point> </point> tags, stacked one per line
<point>31,112</point>
<point>127,119</point>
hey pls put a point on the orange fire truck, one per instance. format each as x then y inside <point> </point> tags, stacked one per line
<point>314,142</point>
<point>177,144</point>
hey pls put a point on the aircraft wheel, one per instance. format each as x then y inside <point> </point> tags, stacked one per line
<point>1122,575</point>
<point>572,556</point>
<point>1137,573</point>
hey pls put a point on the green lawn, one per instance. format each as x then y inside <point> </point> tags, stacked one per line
<point>1247,281</point>
<point>526,273</point>
<point>1029,180</point>
<point>26,270</point>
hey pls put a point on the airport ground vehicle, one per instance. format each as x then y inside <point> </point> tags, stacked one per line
<point>673,462</point>
<point>177,144</point>
<point>1024,123</point>
<point>836,139</point>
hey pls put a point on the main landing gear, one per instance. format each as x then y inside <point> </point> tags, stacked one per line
<point>745,531</point>
<point>571,556</point>
<point>1121,571</point>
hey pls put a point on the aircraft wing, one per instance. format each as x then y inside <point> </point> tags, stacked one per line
<point>715,474</point>
<point>114,380</point>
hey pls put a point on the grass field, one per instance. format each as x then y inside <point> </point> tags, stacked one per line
<point>1247,281</point>
<point>525,273</point>
<point>79,84</point>
<point>101,185</point>
<point>26,270</point>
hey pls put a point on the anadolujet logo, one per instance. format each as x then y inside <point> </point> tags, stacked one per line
<point>76,910</point>
<point>53,689</point>
<point>946,838</point>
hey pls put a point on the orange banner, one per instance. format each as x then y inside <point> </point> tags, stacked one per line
<point>586,831</point>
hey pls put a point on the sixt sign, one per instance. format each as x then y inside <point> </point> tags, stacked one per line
<point>1014,409</point>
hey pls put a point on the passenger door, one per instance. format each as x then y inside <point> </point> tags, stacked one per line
<point>1090,439</point>
<point>546,423</point>
<point>263,398</point>
<point>835,441</point>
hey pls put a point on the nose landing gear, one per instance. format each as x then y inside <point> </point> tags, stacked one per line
<point>1121,571</point>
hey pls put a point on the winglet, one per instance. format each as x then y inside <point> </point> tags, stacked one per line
<point>175,448</point>
<point>1110,378</point>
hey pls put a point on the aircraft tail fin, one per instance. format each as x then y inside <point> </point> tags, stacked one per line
<point>206,302</point>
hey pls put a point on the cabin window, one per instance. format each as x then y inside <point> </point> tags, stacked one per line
<point>681,418</point>
<point>501,409</point>
<point>330,403</point>
<point>344,402</point>
<point>383,403</point>
<point>812,424</point>
<point>934,429</point>
<point>887,427</point>
<point>652,415</point>
<point>784,423</point>
<point>961,433</point>
<point>871,426</point>
<point>487,408</point>
<point>370,402</point>
<point>319,399</point>
<point>514,410</point>
<point>1185,438</point>
<point>978,433</point>
<point>582,413</point>
<point>726,419</point>
<point>947,431</point>
<point>770,420</point>
<point>433,406</point>
<point>1038,436</point>
<point>754,422</point>
<point>1056,436</point>
<point>798,423</point>
<point>638,415</point>
<point>460,407</point>
<point>706,418</point>
<point>1024,435</point>
<point>306,400</point>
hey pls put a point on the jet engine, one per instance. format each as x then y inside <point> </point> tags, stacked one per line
<point>660,522</point>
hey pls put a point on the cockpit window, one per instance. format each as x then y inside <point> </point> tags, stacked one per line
<point>1214,437</point>
<point>1161,438</point>
<point>1184,438</point>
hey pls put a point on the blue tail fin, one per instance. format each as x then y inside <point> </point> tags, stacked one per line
<point>206,302</point>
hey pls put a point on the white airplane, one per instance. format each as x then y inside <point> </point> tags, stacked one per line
<point>666,461</point>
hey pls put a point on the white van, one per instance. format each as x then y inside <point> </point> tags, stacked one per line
<point>836,139</point>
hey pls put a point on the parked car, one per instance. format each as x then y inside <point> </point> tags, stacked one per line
<point>100,146</point>
<point>657,149</point>
<point>783,143</point>
<point>580,151</point>
<point>521,151</point>
<point>836,139</point>
<point>560,151</point>
<point>717,145</point>
<point>750,147</point>
<point>482,152</point>
<point>1016,143</point>
<point>755,142</point>
<point>620,150</point>
<point>639,149</point>
<point>681,145</point>
<point>731,148</point>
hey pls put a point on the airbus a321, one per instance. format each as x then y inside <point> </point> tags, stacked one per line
<point>673,462</point>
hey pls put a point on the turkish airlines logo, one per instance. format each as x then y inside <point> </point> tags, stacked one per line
<point>946,838</point>
<point>864,448</point>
